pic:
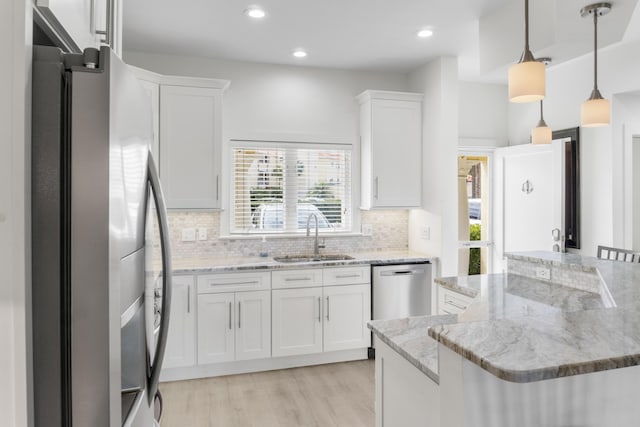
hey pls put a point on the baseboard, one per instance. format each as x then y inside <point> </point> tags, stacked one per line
<point>259,365</point>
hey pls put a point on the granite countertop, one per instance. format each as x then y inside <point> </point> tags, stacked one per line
<point>523,329</point>
<point>222,264</point>
<point>496,297</point>
<point>410,338</point>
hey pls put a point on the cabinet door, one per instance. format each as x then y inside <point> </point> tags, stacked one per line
<point>190,146</point>
<point>396,153</point>
<point>296,321</point>
<point>215,328</point>
<point>181,340</point>
<point>347,309</point>
<point>253,327</point>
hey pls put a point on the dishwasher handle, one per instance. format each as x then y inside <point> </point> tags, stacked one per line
<point>402,272</point>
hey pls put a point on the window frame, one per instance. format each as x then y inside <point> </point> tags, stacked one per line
<point>283,142</point>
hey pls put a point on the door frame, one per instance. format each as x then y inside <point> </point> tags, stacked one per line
<point>489,153</point>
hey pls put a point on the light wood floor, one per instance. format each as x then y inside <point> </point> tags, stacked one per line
<point>340,394</point>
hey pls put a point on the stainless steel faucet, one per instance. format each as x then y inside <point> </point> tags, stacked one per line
<point>316,246</point>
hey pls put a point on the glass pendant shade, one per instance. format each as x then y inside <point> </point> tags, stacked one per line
<point>527,77</point>
<point>541,135</point>
<point>596,112</point>
<point>527,82</point>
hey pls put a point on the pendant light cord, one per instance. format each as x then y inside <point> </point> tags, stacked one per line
<point>595,49</point>
<point>526,25</point>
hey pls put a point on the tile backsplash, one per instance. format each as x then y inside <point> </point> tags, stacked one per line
<point>390,232</point>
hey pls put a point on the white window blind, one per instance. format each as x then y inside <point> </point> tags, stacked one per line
<point>277,186</point>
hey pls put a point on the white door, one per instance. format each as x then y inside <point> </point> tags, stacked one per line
<point>530,203</point>
<point>253,328</point>
<point>296,321</point>
<point>347,309</point>
<point>396,153</point>
<point>190,131</point>
<point>181,341</point>
<point>215,328</point>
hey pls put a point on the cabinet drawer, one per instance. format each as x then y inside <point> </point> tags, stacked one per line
<point>234,282</point>
<point>450,302</point>
<point>360,274</point>
<point>287,279</point>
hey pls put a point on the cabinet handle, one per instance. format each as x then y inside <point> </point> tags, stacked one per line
<point>375,195</point>
<point>347,276</point>
<point>108,31</point>
<point>319,309</point>
<point>188,299</point>
<point>253,282</point>
<point>328,309</point>
<point>217,187</point>
<point>239,316</point>
<point>230,325</point>
<point>453,303</point>
<point>296,279</point>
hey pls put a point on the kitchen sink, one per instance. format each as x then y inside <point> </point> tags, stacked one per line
<point>311,258</point>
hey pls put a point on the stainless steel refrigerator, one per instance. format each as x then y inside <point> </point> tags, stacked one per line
<point>100,295</point>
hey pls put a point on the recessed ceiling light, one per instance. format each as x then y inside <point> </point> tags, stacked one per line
<point>299,53</point>
<point>255,12</point>
<point>423,34</point>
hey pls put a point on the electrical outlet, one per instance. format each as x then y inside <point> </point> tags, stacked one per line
<point>188,234</point>
<point>367,229</point>
<point>543,273</point>
<point>425,233</point>
<point>202,234</point>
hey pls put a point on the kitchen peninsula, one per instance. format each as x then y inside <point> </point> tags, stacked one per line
<point>525,352</point>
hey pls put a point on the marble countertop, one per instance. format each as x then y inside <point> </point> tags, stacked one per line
<point>222,264</point>
<point>523,329</point>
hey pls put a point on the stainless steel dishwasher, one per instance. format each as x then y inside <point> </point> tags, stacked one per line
<point>401,291</point>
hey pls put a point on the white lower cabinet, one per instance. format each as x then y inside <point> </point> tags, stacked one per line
<point>215,328</point>
<point>253,331</point>
<point>347,310</point>
<point>234,326</point>
<point>297,321</point>
<point>320,319</point>
<point>181,340</point>
<point>450,302</point>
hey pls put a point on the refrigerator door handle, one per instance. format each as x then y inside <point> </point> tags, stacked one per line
<point>158,197</point>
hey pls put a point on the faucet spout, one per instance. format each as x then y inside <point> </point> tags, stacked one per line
<point>316,248</point>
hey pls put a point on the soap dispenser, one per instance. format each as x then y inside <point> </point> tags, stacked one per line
<point>263,247</point>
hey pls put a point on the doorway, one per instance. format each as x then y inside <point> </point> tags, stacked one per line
<point>474,213</point>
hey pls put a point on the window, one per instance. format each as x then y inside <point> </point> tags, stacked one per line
<point>277,186</point>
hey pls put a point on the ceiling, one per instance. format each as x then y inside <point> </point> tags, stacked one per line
<point>357,34</point>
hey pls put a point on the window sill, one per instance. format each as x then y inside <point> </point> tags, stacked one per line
<point>287,236</point>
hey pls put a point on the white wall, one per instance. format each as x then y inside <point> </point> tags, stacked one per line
<point>268,99</point>
<point>625,124</point>
<point>568,85</point>
<point>483,114</point>
<point>438,80</point>
<point>15,40</point>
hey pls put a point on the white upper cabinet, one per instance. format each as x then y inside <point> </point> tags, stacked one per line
<point>391,149</point>
<point>78,24</point>
<point>191,146</point>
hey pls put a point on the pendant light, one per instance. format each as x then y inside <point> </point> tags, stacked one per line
<point>596,111</point>
<point>527,77</point>
<point>541,134</point>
